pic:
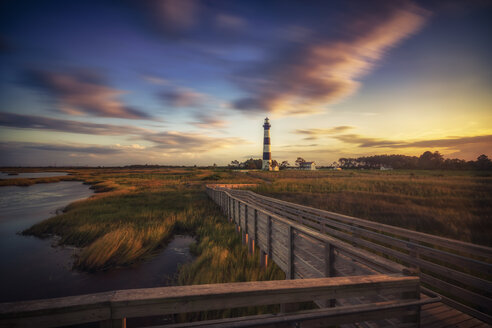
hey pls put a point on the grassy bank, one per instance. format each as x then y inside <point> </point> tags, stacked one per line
<point>451,204</point>
<point>138,211</point>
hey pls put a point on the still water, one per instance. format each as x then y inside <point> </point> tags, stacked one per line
<point>4,175</point>
<point>32,268</point>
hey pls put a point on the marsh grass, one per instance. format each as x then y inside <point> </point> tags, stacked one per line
<point>135,213</point>
<point>456,206</point>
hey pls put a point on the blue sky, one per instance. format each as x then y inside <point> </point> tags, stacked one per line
<point>189,82</point>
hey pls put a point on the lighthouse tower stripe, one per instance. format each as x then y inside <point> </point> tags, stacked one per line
<point>267,155</point>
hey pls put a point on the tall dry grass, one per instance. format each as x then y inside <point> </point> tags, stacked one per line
<point>135,214</point>
<point>455,206</point>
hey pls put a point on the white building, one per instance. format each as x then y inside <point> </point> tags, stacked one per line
<point>308,166</point>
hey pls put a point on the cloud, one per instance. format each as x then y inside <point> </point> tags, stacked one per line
<point>453,141</point>
<point>362,141</point>
<point>155,80</point>
<point>227,21</point>
<point>182,97</point>
<point>171,18</point>
<point>45,123</point>
<point>83,93</point>
<point>207,121</point>
<point>313,134</point>
<point>72,148</point>
<point>182,142</point>
<point>75,149</point>
<point>307,76</point>
<point>446,143</point>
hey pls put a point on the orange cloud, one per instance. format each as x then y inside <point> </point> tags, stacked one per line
<point>321,72</point>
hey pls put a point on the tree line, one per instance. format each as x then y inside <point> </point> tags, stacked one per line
<point>427,161</point>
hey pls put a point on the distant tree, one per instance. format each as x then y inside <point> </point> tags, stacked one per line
<point>252,164</point>
<point>274,163</point>
<point>483,163</point>
<point>235,163</point>
<point>454,164</point>
<point>429,160</point>
<point>348,163</point>
<point>284,165</point>
<point>299,161</point>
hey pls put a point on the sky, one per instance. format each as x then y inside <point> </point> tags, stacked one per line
<point>189,82</point>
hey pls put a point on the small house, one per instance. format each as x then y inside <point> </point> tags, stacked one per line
<point>308,166</point>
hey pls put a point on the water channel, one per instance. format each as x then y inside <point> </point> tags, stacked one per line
<point>33,268</point>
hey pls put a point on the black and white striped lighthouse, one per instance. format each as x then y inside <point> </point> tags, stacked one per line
<point>267,152</point>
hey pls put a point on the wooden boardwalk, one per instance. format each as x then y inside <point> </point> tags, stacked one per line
<point>292,236</point>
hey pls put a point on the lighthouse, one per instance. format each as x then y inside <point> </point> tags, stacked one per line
<point>267,152</point>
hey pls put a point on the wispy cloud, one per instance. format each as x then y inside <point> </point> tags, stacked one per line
<point>171,140</point>
<point>206,110</point>
<point>183,97</point>
<point>83,93</point>
<point>170,18</point>
<point>71,148</point>
<point>181,142</point>
<point>155,80</point>
<point>208,121</point>
<point>52,124</point>
<point>320,71</point>
<point>227,21</point>
<point>450,142</point>
<point>312,134</point>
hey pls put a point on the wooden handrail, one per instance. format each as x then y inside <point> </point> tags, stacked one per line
<point>457,245</point>
<point>118,305</point>
<point>384,266</point>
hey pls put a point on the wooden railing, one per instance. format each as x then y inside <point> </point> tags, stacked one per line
<point>299,250</point>
<point>111,309</point>
<point>461,271</point>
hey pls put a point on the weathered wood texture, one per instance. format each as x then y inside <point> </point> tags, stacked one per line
<point>114,307</point>
<point>461,271</point>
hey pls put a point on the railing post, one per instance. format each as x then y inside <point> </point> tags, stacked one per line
<point>269,237</point>
<point>263,260</point>
<point>415,316</point>
<point>415,254</point>
<point>231,210</point>
<point>256,223</point>
<point>329,259</point>
<point>290,252</point>
<point>113,323</point>
<point>246,218</point>
<point>290,307</point>
<point>329,269</point>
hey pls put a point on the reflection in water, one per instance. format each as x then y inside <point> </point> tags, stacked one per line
<point>32,268</point>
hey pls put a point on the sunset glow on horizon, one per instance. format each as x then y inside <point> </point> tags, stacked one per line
<point>190,82</point>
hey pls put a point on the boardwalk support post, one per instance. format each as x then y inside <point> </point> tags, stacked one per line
<point>329,269</point>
